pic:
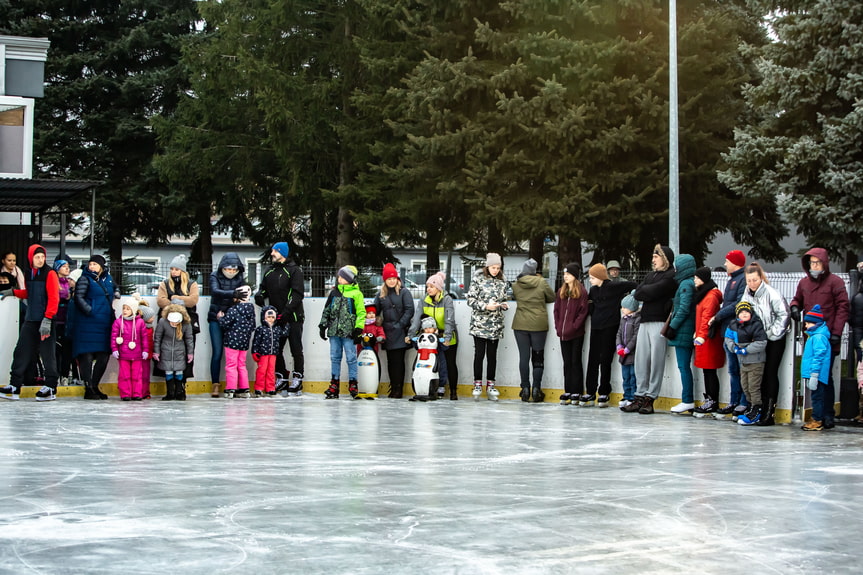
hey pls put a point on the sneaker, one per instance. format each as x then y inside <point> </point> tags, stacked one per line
<point>623,403</point>
<point>813,425</point>
<point>46,393</point>
<point>565,398</point>
<point>477,389</point>
<point>258,394</point>
<point>491,391</point>
<point>9,392</point>
<point>602,401</point>
<point>229,394</point>
<point>727,410</point>
<point>586,400</point>
<point>682,407</point>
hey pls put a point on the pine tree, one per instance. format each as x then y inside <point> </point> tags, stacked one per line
<point>803,155</point>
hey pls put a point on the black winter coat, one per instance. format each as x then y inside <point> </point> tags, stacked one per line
<point>282,286</point>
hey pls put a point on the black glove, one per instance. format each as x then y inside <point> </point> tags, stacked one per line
<point>323,331</point>
<point>670,332</point>
<point>282,319</point>
<point>711,331</point>
<point>795,313</point>
<point>259,299</point>
<point>835,344</point>
<point>45,327</point>
<point>357,334</point>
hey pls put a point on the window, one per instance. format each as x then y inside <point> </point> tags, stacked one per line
<point>16,137</point>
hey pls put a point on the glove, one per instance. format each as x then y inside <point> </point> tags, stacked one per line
<point>282,319</point>
<point>45,328</point>
<point>627,351</point>
<point>323,331</point>
<point>6,293</point>
<point>256,357</point>
<point>835,344</point>
<point>698,341</point>
<point>190,358</point>
<point>380,338</point>
<point>795,313</point>
<point>670,333</point>
<point>357,334</point>
<point>812,382</point>
<point>259,299</point>
<point>621,352</point>
<point>116,354</point>
<point>740,350</point>
<point>145,355</point>
<point>156,356</point>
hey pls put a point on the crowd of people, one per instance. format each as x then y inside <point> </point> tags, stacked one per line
<point>71,327</point>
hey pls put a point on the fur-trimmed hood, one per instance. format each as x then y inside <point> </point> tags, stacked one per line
<point>181,309</point>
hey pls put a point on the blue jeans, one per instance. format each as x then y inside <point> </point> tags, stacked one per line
<point>629,382</point>
<point>346,345</point>
<point>218,350</point>
<point>684,366</point>
<point>737,395</point>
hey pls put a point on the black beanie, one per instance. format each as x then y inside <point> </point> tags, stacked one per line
<point>703,273</point>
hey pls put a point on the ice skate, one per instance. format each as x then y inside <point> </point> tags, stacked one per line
<point>229,394</point>
<point>9,392</point>
<point>477,390</point>
<point>491,391</point>
<point>565,398</point>
<point>586,399</point>
<point>602,401</point>
<point>46,393</point>
<point>707,409</point>
<point>332,391</point>
<point>683,407</point>
<point>295,388</point>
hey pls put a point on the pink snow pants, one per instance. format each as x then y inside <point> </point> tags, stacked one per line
<point>236,376</point>
<point>130,381</point>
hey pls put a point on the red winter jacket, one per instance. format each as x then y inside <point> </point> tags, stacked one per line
<point>710,354</point>
<point>828,291</point>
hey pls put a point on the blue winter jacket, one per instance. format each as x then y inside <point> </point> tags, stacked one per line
<point>222,288</point>
<point>92,316</point>
<point>816,354</point>
<point>731,296</point>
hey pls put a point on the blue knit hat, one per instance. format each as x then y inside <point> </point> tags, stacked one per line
<point>282,248</point>
<point>814,315</point>
<point>59,264</point>
<point>629,302</point>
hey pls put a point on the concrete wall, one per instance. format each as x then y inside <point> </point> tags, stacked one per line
<point>318,363</point>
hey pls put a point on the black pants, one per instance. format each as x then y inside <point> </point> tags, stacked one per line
<point>92,372</point>
<point>65,363</point>
<point>711,383</point>
<point>452,366</point>
<point>295,340</point>
<point>396,370</point>
<point>30,344</point>
<point>600,358</point>
<point>483,348</point>
<point>573,366</point>
<point>770,381</point>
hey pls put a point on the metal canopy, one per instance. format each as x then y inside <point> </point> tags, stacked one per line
<point>38,196</point>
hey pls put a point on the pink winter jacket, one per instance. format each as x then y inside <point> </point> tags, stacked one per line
<point>131,330</point>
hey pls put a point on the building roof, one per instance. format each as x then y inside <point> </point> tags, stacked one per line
<point>23,195</point>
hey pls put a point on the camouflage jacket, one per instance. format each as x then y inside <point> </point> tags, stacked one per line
<point>483,290</point>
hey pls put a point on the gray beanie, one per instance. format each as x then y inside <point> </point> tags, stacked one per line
<point>179,262</point>
<point>428,322</point>
<point>529,267</point>
<point>147,313</point>
<point>493,259</point>
<point>629,302</point>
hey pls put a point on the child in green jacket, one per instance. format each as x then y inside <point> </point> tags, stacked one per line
<point>343,320</point>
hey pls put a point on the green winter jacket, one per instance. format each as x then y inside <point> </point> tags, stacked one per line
<point>344,311</point>
<point>532,294</point>
<point>683,304</point>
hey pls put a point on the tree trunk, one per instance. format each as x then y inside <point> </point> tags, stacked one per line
<point>537,243</point>
<point>496,242</point>
<point>568,251</point>
<point>316,255</point>
<point>202,248</point>
<point>433,239</point>
<point>116,225</point>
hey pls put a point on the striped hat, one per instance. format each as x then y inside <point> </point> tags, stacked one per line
<point>814,315</point>
<point>743,306</point>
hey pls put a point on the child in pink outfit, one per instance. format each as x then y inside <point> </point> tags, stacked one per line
<point>130,345</point>
<point>237,324</point>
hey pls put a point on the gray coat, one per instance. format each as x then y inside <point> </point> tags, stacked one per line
<point>172,351</point>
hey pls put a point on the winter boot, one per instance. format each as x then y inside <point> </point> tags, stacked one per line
<point>180,389</point>
<point>524,394</point>
<point>477,389</point>
<point>646,405</point>
<point>90,393</point>
<point>170,388</point>
<point>215,392</point>
<point>332,391</point>
<point>99,392</point>
<point>767,413</point>
<point>296,386</point>
<point>538,395</point>
<point>634,406</point>
<point>353,388</point>
<point>453,392</point>
<point>491,391</point>
<point>396,390</point>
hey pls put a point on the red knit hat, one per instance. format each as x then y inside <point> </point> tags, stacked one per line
<point>736,257</point>
<point>389,272</point>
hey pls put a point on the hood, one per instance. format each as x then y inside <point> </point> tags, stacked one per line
<point>31,251</point>
<point>232,259</point>
<point>181,309</point>
<point>819,253</point>
<point>667,254</point>
<point>532,281</point>
<point>684,265</point>
<point>264,311</point>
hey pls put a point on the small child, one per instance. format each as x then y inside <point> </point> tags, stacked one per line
<point>130,346</point>
<point>627,336</point>
<point>237,324</point>
<point>343,320</point>
<point>265,348</point>
<point>174,348</point>
<point>815,369</point>
<point>148,314</point>
<point>745,336</point>
<point>370,327</point>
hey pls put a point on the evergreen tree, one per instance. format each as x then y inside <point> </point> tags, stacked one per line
<point>111,67</point>
<point>804,154</point>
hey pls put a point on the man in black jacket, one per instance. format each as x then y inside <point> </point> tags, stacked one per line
<point>283,286</point>
<point>655,293</point>
<point>735,261</point>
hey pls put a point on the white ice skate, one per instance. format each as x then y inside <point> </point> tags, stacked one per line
<point>491,391</point>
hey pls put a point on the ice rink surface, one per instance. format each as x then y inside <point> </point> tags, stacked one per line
<point>305,485</point>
